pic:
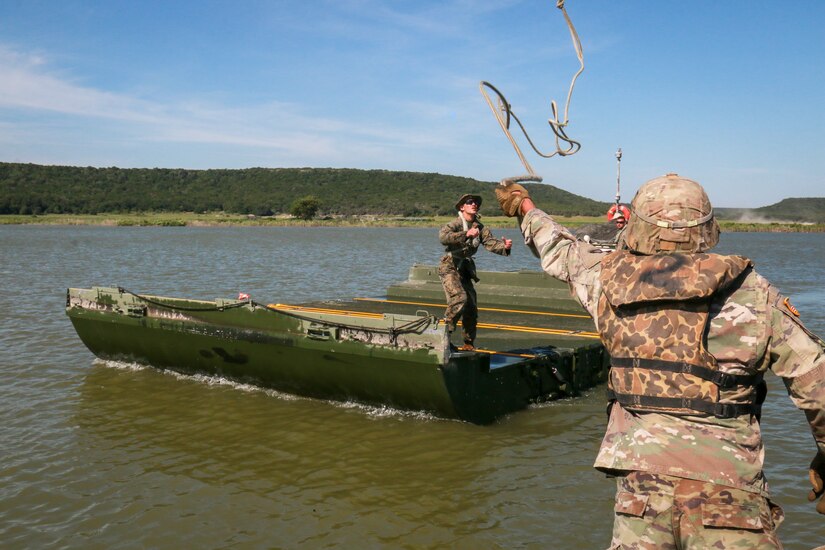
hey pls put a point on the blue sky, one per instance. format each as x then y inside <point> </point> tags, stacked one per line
<point>730,93</point>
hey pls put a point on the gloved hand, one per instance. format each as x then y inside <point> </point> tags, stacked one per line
<point>816,474</point>
<point>509,198</point>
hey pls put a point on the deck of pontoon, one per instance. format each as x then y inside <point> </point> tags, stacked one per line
<point>517,310</point>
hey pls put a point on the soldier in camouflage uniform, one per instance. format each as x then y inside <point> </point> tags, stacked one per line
<point>457,270</point>
<point>690,335</point>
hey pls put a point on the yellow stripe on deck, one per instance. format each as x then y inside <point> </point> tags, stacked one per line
<point>288,307</point>
<point>540,330</point>
<point>523,311</point>
<point>494,326</point>
<point>505,353</point>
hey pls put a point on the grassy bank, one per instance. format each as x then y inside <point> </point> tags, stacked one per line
<point>184,219</point>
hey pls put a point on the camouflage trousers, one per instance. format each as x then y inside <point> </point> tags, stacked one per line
<point>668,513</point>
<point>461,298</point>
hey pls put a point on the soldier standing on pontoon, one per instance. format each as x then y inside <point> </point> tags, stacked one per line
<point>457,270</point>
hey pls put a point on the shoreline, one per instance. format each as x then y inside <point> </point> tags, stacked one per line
<point>187,219</point>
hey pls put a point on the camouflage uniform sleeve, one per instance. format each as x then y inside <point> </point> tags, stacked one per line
<point>452,234</point>
<point>797,355</point>
<point>493,244</point>
<point>563,257</point>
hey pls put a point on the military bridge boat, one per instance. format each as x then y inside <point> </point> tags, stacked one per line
<point>537,343</point>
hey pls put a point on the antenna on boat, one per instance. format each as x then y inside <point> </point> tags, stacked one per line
<point>618,175</point>
<point>503,111</point>
<point>618,212</point>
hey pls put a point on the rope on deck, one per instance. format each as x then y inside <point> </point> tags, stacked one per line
<point>416,326</point>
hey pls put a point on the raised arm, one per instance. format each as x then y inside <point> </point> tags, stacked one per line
<point>561,255</point>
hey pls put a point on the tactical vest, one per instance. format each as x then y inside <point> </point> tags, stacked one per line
<point>654,316</point>
<point>468,248</point>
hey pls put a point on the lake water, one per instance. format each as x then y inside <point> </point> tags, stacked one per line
<point>103,455</point>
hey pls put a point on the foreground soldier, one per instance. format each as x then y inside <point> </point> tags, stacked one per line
<point>690,335</point>
<point>457,270</point>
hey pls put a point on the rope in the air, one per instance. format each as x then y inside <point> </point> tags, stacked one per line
<point>503,111</point>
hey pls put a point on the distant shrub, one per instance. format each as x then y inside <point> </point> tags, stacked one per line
<point>305,208</point>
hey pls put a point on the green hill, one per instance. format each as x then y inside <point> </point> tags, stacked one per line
<point>806,210</point>
<point>35,189</point>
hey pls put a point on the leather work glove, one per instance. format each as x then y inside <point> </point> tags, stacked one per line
<point>816,474</point>
<point>509,198</point>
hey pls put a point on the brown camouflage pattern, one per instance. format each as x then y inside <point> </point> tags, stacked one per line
<point>723,452</point>
<point>632,279</point>
<point>670,198</point>
<point>656,512</point>
<point>657,307</point>
<point>457,272</point>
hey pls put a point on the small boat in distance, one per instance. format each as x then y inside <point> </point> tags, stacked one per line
<point>537,343</point>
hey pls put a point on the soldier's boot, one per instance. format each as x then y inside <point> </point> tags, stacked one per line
<point>468,334</point>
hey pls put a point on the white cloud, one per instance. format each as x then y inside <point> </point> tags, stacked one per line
<point>29,86</point>
<point>26,84</point>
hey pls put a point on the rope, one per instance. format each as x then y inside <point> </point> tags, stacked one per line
<point>180,308</point>
<point>415,326</point>
<point>503,111</point>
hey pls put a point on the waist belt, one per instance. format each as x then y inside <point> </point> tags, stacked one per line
<point>724,380</point>
<point>719,410</point>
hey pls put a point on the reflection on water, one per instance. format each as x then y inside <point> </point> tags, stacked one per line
<point>104,454</point>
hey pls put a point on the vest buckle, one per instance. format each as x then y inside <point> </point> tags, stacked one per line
<point>724,380</point>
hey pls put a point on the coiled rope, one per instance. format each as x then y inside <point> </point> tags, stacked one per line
<point>503,111</point>
<point>179,308</point>
<point>414,326</point>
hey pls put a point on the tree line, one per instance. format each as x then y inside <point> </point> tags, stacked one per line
<point>37,189</point>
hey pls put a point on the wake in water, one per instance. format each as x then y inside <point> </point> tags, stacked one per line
<point>371,411</point>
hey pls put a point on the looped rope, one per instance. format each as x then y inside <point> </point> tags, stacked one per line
<point>415,326</point>
<point>503,111</point>
<point>182,308</point>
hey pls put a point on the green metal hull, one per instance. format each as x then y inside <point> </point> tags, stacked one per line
<point>327,355</point>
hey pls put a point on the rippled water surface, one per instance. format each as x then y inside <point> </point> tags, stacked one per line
<point>100,455</point>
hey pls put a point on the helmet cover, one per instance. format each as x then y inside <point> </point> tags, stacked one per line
<point>671,214</point>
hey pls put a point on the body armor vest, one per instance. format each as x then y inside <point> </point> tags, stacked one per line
<point>654,316</point>
<point>468,248</point>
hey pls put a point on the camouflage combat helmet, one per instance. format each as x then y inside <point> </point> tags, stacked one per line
<point>671,214</point>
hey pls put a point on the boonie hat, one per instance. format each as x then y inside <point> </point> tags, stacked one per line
<point>464,198</point>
